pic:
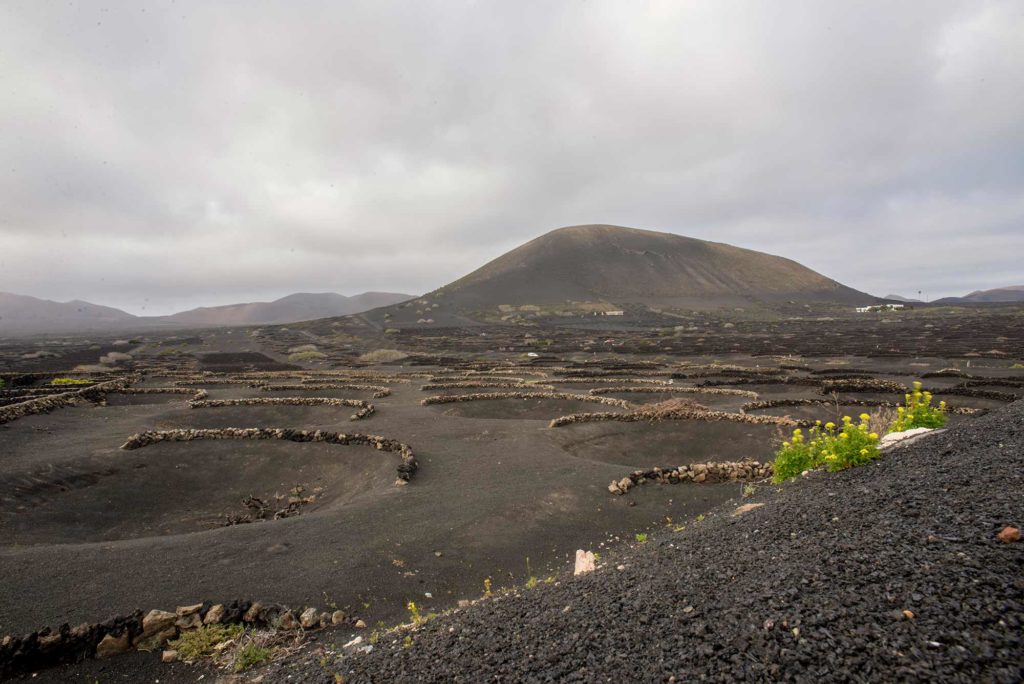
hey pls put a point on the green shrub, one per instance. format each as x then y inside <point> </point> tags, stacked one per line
<point>250,655</point>
<point>918,412</point>
<point>70,381</point>
<point>200,643</point>
<point>307,356</point>
<point>835,447</point>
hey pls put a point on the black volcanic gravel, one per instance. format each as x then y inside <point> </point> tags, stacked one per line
<point>810,587</point>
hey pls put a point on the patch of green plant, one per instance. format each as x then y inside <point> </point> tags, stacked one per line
<point>487,586</point>
<point>835,447</point>
<point>57,382</point>
<point>641,537</point>
<point>532,582</point>
<point>250,655</point>
<point>307,356</point>
<point>200,643</point>
<point>407,642</point>
<point>1017,366</point>
<point>748,490</point>
<point>918,411</point>
<point>414,612</point>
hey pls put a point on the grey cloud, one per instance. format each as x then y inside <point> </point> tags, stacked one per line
<point>211,152</point>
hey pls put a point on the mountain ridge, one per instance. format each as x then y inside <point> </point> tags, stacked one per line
<point>27,315</point>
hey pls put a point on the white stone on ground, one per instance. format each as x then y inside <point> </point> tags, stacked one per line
<point>905,437</point>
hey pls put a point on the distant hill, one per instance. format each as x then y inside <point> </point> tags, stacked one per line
<point>25,315</point>
<point>291,309</point>
<point>601,267</point>
<point>898,298</point>
<point>21,314</point>
<point>1012,293</point>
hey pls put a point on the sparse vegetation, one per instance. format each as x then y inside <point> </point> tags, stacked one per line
<point>836,447</point>
<point>203,642</point>
<point>57,382</point>
<point>383,356</point>
<point>918,411</point>
<point>641,537</point>
<point>306,356</point>
<point>303,348</point>
<point>250,655</point>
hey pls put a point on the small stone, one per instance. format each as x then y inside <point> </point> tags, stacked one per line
<point>157,621</point>
<point>183,611</point>
<point>253,614</point>
<point>360,624</point>
<point>192,621</point>
<point>584,562</point>
<point>169,656</point>
<point>1008,535</point>
<point>465,603</point>
<point>309,618</point>
<point>155,641</point>
<point>620,567</point>
<point>325,619</point>
<point>288,621</point>
<point>746,508</point>
<point>112,645</point>
<point>337,617</point>
<point>214,615</point>
<point>909,614</point>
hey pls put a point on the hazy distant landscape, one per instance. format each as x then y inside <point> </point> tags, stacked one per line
<point>351,343</point>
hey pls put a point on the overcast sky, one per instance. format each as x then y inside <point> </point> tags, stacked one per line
<point>161,155</point>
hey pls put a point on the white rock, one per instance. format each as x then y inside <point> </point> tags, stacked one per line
<point>905,437</point>
<point>584,562</point>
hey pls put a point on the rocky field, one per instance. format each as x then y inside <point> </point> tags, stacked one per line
<point>333,482</point>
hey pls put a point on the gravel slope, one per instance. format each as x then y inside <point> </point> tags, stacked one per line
<point>811,586</point>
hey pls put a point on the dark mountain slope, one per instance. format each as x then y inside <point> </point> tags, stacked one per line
<point>619,265</point>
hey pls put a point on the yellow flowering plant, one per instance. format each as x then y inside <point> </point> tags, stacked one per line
<point>829,445</point>
<point>918,411</point>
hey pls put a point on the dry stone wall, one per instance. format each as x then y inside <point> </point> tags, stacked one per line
<point>150,630</point>
<point>365,408</point>
<point>726,471</point>
<point>680,414</point>
<point>378,390</point>
<point>94,393</point>
<point>454,398</point>
<point>406,469</point>
<point>671,389</point>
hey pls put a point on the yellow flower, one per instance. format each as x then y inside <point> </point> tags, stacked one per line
<point>843,435</point>
<point>830,425</point>
<point>873,435</point>
<point>865,417</point>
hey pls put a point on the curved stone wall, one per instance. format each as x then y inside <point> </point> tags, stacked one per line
<point>454,398</point>
<point>406,469</point>
<point>365,408</point>
<point>681,414</point>
<point>93,393</point>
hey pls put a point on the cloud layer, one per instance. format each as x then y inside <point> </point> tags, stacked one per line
<point>157,156</point>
